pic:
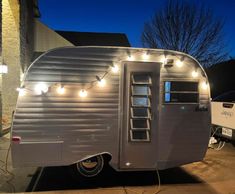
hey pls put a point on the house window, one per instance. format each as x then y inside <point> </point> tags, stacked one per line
<point>140,107</point>
<point>181,92</point>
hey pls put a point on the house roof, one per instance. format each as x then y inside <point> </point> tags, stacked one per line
<point>222,77</point>
<point>95,39</point>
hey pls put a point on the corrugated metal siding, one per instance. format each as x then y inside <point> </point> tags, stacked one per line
<point>90,125</point>
<point>86,125</point>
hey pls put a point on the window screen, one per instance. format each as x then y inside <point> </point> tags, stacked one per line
<point>140,78</point>
<point>140,90</point>
<point>140,106</point>
<point>180,92</point>
<point>140,101</point>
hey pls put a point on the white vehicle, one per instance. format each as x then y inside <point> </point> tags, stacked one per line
<point>223,116</point>
<point>144,108</point>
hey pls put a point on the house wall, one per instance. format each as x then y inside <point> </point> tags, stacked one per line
<point>46,39</point>
<point>10,56</point>
<point>26,33</point>
<point>0,63</point>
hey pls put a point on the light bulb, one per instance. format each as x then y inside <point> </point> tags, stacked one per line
<point>3,69</point>
<point>163,60</point>
<point>83,93</point>
<point>130,57</point>
<point>60,90</point>
<point>102,83</point>
<point>41,88</point>
<point>204,85</point>
<point>115,68</point>
<point>145,55</point>
<point>194,74</point>
<point>21,91</point>
<point>179,63</point>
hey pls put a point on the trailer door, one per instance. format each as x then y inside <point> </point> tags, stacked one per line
<point>138,144</point>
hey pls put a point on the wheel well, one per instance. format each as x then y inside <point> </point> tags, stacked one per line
<point>107,157</point>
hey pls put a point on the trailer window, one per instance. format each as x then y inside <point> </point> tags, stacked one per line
<point>141,90</point>
<point>140,106</point>
<point>140,113</point>
<point>141,78</point>
<point>180,92</point>
<point>140,135</point>
<point>140,101</point>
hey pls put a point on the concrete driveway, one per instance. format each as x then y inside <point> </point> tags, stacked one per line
<point>215,175</point>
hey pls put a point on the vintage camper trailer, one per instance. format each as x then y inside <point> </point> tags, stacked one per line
<point>145,108</point>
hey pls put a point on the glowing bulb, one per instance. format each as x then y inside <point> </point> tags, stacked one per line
<point>130,58</point>
<point>83,93</point>
<point>204,85</point>
<point>102,83</point>
<point>145,55</point>
<point>3,69</point>
<point>194,74</point>
<point>21,91</point>
<point>115,68</point>
<point>41,88</point>
<point>60,90</point>
<point>179,63</point>
<point>128,163</point>
<point>163,60</point>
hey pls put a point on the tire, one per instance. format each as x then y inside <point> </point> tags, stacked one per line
<point>90,167</point>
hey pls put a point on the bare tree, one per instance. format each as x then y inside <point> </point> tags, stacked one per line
<point>185,27</point>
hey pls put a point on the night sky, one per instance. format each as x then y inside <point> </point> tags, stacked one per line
<point>122,16</point>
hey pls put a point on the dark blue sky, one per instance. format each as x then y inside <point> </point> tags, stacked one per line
<point>124,16</point>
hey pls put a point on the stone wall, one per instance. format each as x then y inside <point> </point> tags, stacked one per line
<point>10,56</point>
<point>26,33</point>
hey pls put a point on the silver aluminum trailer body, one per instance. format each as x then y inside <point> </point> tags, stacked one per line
<point>153,113</point>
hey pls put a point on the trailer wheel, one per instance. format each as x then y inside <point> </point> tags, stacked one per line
<point>90,167</point>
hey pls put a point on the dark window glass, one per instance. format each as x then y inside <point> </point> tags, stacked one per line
<point>139,135</point>
<point>182,97</point>
<point>140,112</point>
<point>226,97</point>
<point>183,86</point>
<point>179,91</point>
<point>139,123</point>
<point>141,78</point>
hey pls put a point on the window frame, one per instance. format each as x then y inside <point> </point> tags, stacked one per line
<point>140,140</point>
<point>180,92</point>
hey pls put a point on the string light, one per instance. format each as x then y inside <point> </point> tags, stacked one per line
<point>41,88</point>
<point>130,57</point>
<point>163,60</point>
<point>204,85</point>
<point>83,93</point>
<point>101,82</point>
<point>145,56</point>
<point>194,74</point>
<point>115,68</point>
<point>60,90</point>
<point>21,91</point>
<point>179,63</point>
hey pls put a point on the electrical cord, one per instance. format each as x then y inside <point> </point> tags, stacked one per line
<point>9,176</point>
<point>221,143</point>
<point>158,190</point>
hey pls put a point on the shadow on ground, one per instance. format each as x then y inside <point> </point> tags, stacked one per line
<point>59,178</point>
